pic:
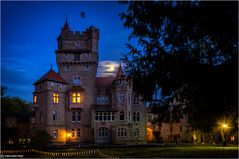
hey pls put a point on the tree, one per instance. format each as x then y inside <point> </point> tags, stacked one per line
<point>188,51</point>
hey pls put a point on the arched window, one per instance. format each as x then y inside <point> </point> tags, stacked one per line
<point>103,131</point>
<point>121,115</point>
<point>137,116</point>
<point>134,116</point>
<point>55,98</point>
<point>122,132</point>
<point>54,115</point>
<point>136,133</point>
<point>55,135</point>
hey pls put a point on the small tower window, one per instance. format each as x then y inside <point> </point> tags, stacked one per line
<point>54,115</point>
<point>76,80</point>
<point>73,134</point>
<point>76,97</point>
<point>134,116</point>
<point>136,133</point>
<point>79,116</point>
<point>55,98</point>
<point>73,116</point>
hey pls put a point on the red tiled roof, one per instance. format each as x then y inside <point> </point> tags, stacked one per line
<point>104,81</point>
<point>51,76</point>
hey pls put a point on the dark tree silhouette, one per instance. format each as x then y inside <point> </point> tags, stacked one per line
<point>187,50</point>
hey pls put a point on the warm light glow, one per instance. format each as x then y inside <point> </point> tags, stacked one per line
<point>232,138</point>
<point>35,99</point>
<point>68,134</point>
<point>76,97</point>
<point>55,98</point>
<point>224,126</point>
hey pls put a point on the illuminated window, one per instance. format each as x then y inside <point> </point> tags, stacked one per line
<point>76,80</point>
<point>55,135</point>
<point>76,97</point>
<point>35,99</point>
<point>55,98</point>
<point>136,133</point>
<point>73,133</point>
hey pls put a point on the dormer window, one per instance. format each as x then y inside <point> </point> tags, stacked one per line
<point>76,80</point>
<point>76,97</point>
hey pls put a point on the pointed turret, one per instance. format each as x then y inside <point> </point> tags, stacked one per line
<point>66,26</point>
<point>120,72</point>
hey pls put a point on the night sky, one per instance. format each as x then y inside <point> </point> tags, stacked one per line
<point>29,32</point>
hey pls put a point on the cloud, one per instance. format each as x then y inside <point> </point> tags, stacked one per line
<point>107,68</point>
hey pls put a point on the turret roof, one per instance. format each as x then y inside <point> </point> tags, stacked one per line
<point>51,75</point>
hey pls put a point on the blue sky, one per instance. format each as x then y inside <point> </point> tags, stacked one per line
<point>29,31</point>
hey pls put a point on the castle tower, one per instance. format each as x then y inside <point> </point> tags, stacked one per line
<point>77,60</point>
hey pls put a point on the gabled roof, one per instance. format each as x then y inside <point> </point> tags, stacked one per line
<point>103,82</point>
<point>51,76</point>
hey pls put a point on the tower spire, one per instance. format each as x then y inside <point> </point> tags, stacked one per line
<point>66,26</point>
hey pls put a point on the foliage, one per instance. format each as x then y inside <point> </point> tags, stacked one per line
<point>40,138</point>
<point>188,51</point>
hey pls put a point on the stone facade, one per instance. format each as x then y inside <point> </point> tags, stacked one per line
<point>75,106</point>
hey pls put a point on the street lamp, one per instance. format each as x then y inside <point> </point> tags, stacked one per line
<point>224,127</point>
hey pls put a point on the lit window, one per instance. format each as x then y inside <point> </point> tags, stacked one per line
<point>136,133</point>
<point>55,98</point>
<point>52,84</point>
<point>76,80</point>
<point>55,135</point>
<point>76,97</point>
<point>54,115</point>
<point>35,99</point>
<point>73,134</point>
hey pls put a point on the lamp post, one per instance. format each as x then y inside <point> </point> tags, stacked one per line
<point>224,128</point>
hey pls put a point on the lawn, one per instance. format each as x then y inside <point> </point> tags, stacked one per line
<point>174,152</point>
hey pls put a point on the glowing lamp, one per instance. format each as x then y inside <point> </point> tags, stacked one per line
<point>68,135</point>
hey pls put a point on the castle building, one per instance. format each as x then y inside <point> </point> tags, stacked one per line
<point>75,106</point>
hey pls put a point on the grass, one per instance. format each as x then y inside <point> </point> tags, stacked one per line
<point>174,152</point>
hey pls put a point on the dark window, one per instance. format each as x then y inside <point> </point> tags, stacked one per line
<point>78,132</point>
<point>79,116</point>
<point>76,57</point>
<point>171,129</point>
<point>181,128</point>
<point>121,115</point>
<point>134,116</point>
<point>73,116</point>
<point>54,115</point>
<point>137,116</point>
